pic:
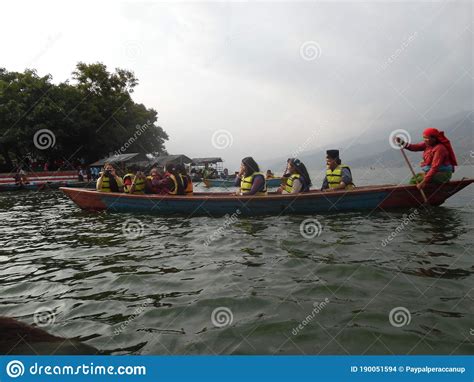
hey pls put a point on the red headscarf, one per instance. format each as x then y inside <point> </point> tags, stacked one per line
<point>439,135</point>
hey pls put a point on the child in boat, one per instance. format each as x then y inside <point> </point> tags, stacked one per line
<point>134,181</point>
<point>296,178</point>
<point>152,180</point>
<point>109,181</point>
<point>171,184</point>
<point>438,158</point>
<point>250,179</point>
<point>338,175</point>
<point>185,179</point>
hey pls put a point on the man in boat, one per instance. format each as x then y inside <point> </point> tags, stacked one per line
<point>296,178</point>
<point>185,179</point>
<point>171,184</point>
<point>438,161</point>
<point>134,181</point>
<point>269,174</point>
<point>250,179</point>
<point>338,176</point>
<point>109,181</point>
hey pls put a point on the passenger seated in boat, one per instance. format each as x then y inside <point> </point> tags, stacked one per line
<point>439,159</point>
<point>20,177</point>
<point>269,174</point>
<point>151,185</point>
<point>296,178</point>
<point>185,179</point>
<point>134,181</point>
<point>171,184</point>
<point>109,181</point>
<point>338,176</point>
<point>250,179</point>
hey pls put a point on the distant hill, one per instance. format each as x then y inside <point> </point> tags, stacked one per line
<point>374,149</point>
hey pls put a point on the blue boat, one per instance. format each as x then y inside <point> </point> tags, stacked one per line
<point>221,203</point>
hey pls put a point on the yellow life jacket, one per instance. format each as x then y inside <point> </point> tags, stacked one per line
<point>186,180</point>
<point>246,184</point>
<point>334,177</point>
<point>289,182</point>
<point>105,184</point>
<point>139,184</point>
<point>175,189</point>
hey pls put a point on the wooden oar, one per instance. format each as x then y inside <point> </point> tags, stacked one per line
<point>413,173</point>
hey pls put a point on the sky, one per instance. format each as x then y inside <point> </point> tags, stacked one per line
<point>266,79</point>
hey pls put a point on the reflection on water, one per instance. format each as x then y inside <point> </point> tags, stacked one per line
<point>156,293</point>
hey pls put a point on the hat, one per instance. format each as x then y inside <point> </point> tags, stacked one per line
<point>333,154</point>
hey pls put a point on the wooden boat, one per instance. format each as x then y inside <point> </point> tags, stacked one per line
<point>39,186</point>
<point>214,204</point>
<point>273,182</point>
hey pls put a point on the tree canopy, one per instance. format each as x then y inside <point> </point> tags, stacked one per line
<point>87,117</point>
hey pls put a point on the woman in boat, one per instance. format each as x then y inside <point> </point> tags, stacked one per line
<point>439,159</point>
<point>296,178</point>
<point>171,184</point>
<point>134,181</point>
<point>250,179</point>
<point>109,181</point>
<point>151,185</point>
<point>338,175</point>
<point>185,179</point>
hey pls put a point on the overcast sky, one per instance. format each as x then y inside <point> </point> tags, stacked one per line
<point>279,78</point>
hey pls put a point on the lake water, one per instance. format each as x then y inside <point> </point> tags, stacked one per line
<point>369,283</point>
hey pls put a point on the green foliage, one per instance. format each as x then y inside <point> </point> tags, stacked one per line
<point>90,116</point>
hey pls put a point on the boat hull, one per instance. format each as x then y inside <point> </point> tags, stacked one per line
<point>218,204</point>
<point>273,182</point>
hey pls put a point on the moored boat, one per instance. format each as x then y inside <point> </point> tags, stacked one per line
<point>272,182</point>
<point>217,204</point>
<point>39,186</point>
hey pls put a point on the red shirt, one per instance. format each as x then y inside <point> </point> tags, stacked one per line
<point>434,156</point>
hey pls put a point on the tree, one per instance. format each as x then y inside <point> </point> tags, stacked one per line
<point>89,117</point>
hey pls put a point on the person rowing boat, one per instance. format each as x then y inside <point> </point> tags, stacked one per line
<point>439,159</point>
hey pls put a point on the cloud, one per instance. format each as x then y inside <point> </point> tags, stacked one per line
<point>238,66</point>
